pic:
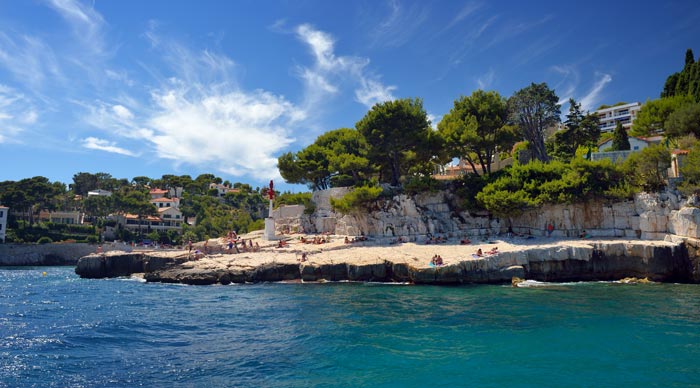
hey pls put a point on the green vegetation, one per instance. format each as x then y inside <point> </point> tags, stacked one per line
<point>646,169</point>
<point>686,82</point>
<point>537,183</point>
<point>653,115</point>
<point>358,199</point>
<point>535,109</point>
<point>476,128</point>
<point>620,140</point>
<point>580,131</point>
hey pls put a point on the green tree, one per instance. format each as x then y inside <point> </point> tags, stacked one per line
<point>648,168</point>
<point>84,182</point>
<point>580,130</point>
<point>690,171</point>
<point>686,82</point>
<point>534,109</point>
<point>620,141</point>
<point>653,115</point>
<point>397,133</point>
<point>684,121</point>
<point>476,128</point>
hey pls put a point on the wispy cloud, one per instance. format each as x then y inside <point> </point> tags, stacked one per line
<point>486,79</point>
<point>29,59</point>
<point>511,30</point>
<point>85,22</point>
<point>468,9</point>
<point>400,24</point>
<point>591,99</point>
<point>566,86</point>
<point>105,145</point>
<point>197,115</point>
<point>16,112</point>
<point>330,71</point>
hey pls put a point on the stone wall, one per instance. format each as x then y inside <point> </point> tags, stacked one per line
<point>648,216</point>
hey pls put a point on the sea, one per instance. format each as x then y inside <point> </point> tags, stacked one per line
<point>58,330</point>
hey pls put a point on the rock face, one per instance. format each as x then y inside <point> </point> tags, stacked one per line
<point>648,217</point>
<point>662,261</point>
<point>43,254</point>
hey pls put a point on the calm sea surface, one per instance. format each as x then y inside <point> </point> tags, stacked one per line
<point>62,331</point>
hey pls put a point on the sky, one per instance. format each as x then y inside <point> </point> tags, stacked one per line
<point>149,88</point>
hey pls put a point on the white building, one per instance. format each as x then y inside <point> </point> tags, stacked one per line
<point>636,143</point>
<point>3,222</point>
<point>222,189</point>
<point>99,193</point>
<point>623,113</point>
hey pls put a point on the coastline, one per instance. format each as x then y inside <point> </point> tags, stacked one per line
<point>540,258</point>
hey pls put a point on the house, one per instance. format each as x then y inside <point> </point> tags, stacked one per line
<point>636,143</point>
<point>609,117</point>
<point>99,193</point>
<point>62,217</point>
<point>164,202</point>
<point>222,189</point>
<point>3,222</point>
<point>463,168</point>
<point>167,219</point>
<point>157,193</point>
<point>677,161</point>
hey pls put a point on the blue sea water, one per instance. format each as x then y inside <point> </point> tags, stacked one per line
<point>62,331</point>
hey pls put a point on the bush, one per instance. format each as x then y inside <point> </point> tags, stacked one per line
<point>357,199</point>
<point>44,240</point>
<point>92,239</point>
<point>648,168</point>
<point>422,184</point>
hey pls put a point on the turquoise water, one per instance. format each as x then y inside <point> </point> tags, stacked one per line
<point>58,330</point>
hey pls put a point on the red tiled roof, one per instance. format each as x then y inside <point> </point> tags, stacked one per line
<point>158,191</point>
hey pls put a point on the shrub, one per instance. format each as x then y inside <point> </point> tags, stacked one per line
<point>422,184</point>
<point>92,239</point>
<point>647,169</point>
<point>44,240</point>
<point>358,198</point>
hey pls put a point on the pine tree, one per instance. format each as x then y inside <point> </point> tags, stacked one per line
<point>620,141</point>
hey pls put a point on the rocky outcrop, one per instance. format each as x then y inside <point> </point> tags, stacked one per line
<point>43,254</point>
<point>658,261</point>
<point>114,264</point>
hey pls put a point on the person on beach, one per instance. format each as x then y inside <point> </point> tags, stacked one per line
<point>479,253</point>
<point>550,229</point>
<point>189,247</point>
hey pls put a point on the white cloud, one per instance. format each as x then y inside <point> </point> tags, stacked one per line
<point>486,79</point>
<point>466,10</point>
<point>237,133</point>
<point>434,120</point>
<point>566,86</point>
<point>104,145</point>
<point>16,112</point>
<point>330,71</point>
<point>28,59</point>
<point>122,112</point>
<point>591,99</point>
<point>372,92</point>
<point>85,22</point>
<point>400,24</point>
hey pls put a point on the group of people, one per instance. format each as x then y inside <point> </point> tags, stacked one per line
<point>355,239</point>
<point>480,253</point>
<point>435,240</point>
<point>437,261</point>
<point>244,247</point>
<point>315,240</point>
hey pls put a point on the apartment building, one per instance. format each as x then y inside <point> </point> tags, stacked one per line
<point>3,222</point>
<point>623,113</point>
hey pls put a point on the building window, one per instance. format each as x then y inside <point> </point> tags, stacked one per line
<point>1,213</point>
<point>0,226</point>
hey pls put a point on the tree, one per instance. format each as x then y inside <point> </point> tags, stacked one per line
<point>395,132</point>
<point>580,130</point>
<point>684,121</point>
<point>686,82</point>
<point>534,109</point>
<point>690,171</point>
<point>647,169</point>
<point>84,182</point>
<point>653,114</point>
<point>476,128</point>
<point>620,141</point>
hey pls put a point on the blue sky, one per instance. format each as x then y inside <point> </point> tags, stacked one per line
<point>135,88</point>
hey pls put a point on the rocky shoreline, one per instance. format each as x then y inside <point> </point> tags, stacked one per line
<point>541,259</point>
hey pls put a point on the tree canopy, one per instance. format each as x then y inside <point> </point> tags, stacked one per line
<point>476,128</point>
<point>580,130</point>
<point>399,136</point>
<point>652,117</point>
<point>534,109</point>
<point>686,82</point>
<point>620,140</point>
